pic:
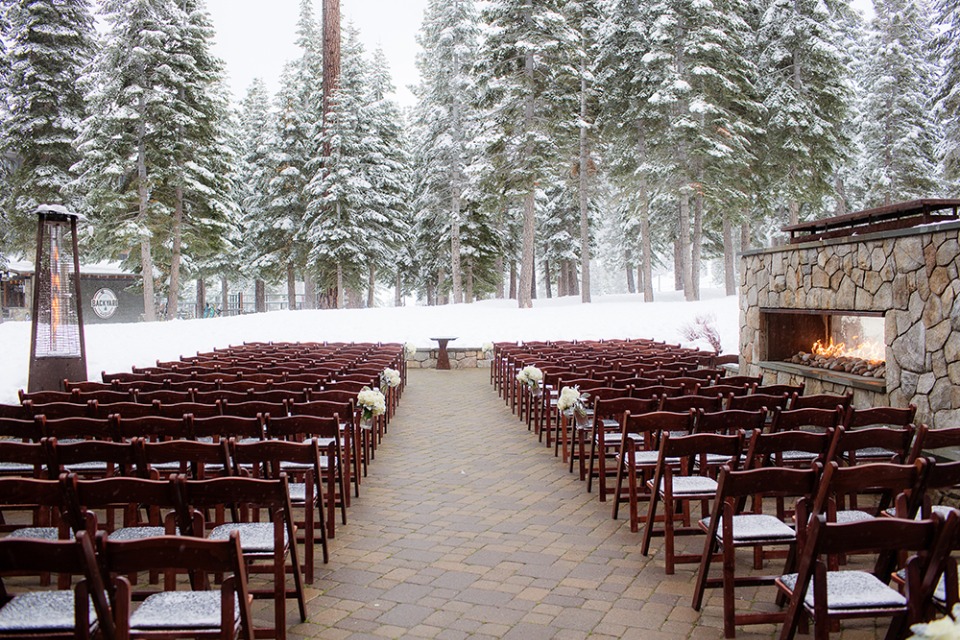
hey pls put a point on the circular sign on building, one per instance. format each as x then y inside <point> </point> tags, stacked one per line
<point>104,303</point>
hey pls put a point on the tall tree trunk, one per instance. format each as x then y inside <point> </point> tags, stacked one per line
<point>646,250</point>
<point>696,244</point>
<point>631,285</point>
<point>643,284</point>
<point>513,280</point>
<point>794,212</point>
<point>677,264</point>
<point>173,293</point>
<point>201,311</point>
<point>729,275</point>
<point>686,274</point>
<point>146,256</point>
<point>744,235</point>
<point>224,296</point>
<point>371,286</point>
<point>561,280</point>
<point>546,279</point>
<point>455,251</point>
<point>468,297</point>
<point>309,289</point>
<point>331,53</point>
<point>260,296</point>
<point>398,291</point>
<point>584,184</point>
<point>500,268</point>
<point>525,299</point>
<point>291,286</point>
<point>533,278</point>
<point>341,293</point>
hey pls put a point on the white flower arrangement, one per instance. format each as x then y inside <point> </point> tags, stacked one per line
<point>945,628</point>
<point>389,378</point>
<point>487,347</point>
<point>530,376</point>
<point>409,350</point>
<point>372,403</point>
<point>569,397</point>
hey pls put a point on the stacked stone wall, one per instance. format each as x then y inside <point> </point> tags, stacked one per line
<point>911,276</point>
<point>460,358</point>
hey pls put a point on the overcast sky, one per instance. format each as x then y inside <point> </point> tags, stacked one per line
<point>255,42</point>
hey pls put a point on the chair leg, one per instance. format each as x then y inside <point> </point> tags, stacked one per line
<point>651,518</point>
<point>729,581</point>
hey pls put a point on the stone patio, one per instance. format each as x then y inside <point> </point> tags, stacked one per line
<point>467,527</point>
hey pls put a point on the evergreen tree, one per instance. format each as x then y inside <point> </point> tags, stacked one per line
<point>517,74</point>
<point>899,134</point>
<point>446,111</point>
<point>337,224</point>
<point>803,86</point>
<point>129,141</point>
<point>50,43</point>
<point>197,181</point>
<point>948,88</point>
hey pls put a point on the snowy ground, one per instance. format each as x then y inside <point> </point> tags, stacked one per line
<point>117,347</point>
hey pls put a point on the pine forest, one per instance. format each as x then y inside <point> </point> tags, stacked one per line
<point>555,147</point>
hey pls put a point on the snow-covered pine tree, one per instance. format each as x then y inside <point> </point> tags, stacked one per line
<point>339,193</point>
<point>517,70</point>
<point>948,89</point>
<point>899,133</point>
<point>198,183</point>
<point>256,141</point>
<point>446,112</point>
<point>705,104</point>
<point>803,84</point>
<point>50,42</point>
<point>128,140</point>
<point>387,166</point>
<point>627,120</point>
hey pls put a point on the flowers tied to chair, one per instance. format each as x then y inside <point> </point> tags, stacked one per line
<point>531,377</point>
<point>409,350</point>
<point>572,400</point>
<point>389,378</point>
<point>372,404</point>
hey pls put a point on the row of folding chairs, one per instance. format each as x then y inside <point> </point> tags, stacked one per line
<point>254,514</point>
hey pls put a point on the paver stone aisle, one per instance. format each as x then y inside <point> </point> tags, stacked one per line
<point>466,527</point>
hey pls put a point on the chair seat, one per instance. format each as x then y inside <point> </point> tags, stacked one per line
<point>941,510</point>
<point>872,452</point>
<point>751,527</point>
<point>298,492</point>
<point>41,533</point>
<point>180,610</point>
<point>255,537</point>
<point>796,456</point>
<point>609,438</point>
<point>295,466</point>
<point>16,468</point>
<point>852,515</point>
<point>852,590</point>
<point>691,485</point>
<point>137,533</point>
<point>88,467</point>
<point>40,610</point>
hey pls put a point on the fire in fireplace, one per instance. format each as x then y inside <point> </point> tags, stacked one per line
<point>848,342</point>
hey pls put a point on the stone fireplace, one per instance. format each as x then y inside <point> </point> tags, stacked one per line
<point>885,277</point>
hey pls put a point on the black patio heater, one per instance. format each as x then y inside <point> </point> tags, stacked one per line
<point>57,348</point>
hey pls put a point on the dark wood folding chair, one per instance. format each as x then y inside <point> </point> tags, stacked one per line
<point>17,411</point>
<point>168,396</point>
<point>200,613</point>
<point>827,595</point>
<point>707,402</point>
<point>682,477</point>
<point>59,410</point>
<point>253,408</point>
<point>77,428</point>
<point>300,461</point>
<point>326,430</point>
<point>123,409</point>
<point>219,427</point>
<point>755,401</point>
<point>638,455</point>
<point>190,458</point>
<point>351,446</point>
<point>605,437</point>
<point>154,428</point>
<point>266,545</point>
<point>779,389</point>
<point>729,527</point>
<point>81,612</point>
<point>180,409</point>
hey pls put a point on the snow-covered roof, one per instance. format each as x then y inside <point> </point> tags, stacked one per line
<point>93,269</point>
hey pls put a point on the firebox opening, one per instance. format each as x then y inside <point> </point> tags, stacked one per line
<point>844,341</point>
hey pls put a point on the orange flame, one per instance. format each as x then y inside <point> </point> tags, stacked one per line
<point>872,352</point>
<point>54,295</point>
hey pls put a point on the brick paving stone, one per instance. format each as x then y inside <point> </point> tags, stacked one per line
<point>467,527</point>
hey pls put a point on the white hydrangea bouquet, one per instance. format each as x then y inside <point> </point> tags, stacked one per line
<point>572,400</point>
<point>389,378</point>
<point>487,348</point>
<point>409,350</point>
<point>945,628</point>
<point>531,377</point>
<point>372,404</point>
